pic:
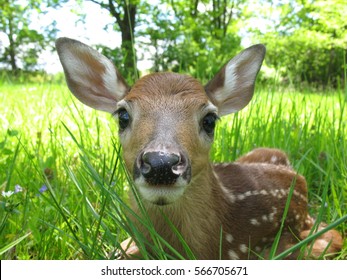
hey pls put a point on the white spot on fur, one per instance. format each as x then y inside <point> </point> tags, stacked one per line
<point>272,215</point>
<point>263,192</point>
<point>257,249</point>
<point>274,192</point>
<point>309,220</point>
<point>265,218</point>
<point>243,248</point>
<point>300,195</point>
<point>241,197</point>
<point>228,192</point>
<point>283,192</point>
<point>232,198</point>
<point>255,192</point>
<point>233,255</point>
<point>249,193</point>
<point>274,159</point>
<point>254,222</point>
<point>264,239</point>
<point>229,237</point>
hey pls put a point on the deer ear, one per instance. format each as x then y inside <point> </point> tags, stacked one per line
<point>90,76</point>
<point>233,86</point>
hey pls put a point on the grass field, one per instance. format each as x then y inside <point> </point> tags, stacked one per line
<point>63,184</point>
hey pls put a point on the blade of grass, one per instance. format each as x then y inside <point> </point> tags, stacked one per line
<point>14,243</point>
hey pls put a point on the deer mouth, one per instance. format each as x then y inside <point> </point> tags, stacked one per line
<point>160,195</point>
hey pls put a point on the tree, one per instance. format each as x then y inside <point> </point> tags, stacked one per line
<point>124,12</point>
<point>25,43</point>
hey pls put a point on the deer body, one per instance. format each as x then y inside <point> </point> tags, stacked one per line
<point>166,125</point>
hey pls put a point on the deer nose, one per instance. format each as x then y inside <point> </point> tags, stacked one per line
<point>161,168</point>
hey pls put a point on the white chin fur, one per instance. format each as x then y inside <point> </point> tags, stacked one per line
<point>160,195</point>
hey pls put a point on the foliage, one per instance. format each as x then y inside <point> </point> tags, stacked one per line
<point>190,36</point>
<point>308,40</point>
<point>25,43</point>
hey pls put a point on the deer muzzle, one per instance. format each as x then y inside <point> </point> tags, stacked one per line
<point>162,168</point>
<point>162,175</point>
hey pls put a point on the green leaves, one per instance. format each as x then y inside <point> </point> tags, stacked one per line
<point>25,42</point>
<point>307,41</point>
<point>195,37</point>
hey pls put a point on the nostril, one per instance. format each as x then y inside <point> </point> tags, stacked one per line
<point>180,166</point>
<point>145,168</point>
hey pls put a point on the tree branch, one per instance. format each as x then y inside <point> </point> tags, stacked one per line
<point>101,4</point>
<point>229,17</point>
<point>116,14</point>
<point>194,11</point>
<point>176,13</point>
<point>111,8</point>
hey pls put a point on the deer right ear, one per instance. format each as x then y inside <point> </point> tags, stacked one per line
<point>232,88</point>
<point>90,76</point>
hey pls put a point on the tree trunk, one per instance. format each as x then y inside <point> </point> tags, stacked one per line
<point>127,29</point>
<point>12,47</point>
<point>126,25</point>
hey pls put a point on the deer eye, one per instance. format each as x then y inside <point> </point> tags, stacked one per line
<point>123,118</point>
<point>209,123</point>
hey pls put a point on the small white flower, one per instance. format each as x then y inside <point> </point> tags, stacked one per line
<point>7,194</point>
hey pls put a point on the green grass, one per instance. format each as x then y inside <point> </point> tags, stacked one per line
<point>48,138</point>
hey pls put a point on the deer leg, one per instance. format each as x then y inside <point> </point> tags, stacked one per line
<point>328,243</point>
<point>325,245</point>
<point>129,251</point>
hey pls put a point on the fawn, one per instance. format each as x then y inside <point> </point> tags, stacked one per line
<point>166,128</point>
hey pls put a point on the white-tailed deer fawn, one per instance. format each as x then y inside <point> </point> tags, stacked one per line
<point>166,128</point>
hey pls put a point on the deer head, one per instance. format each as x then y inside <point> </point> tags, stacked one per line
<point>166,120</point>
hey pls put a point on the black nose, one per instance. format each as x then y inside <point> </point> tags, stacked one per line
<point>161,168</point>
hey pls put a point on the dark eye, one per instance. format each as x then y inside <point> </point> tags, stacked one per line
<point>209,123</point>
<point>123,118</point>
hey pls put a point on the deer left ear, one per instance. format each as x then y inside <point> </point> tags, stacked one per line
<point>90,76</point>
<point>233,86</point>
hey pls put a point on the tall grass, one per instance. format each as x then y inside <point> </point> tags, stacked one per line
<point>66,159</point>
